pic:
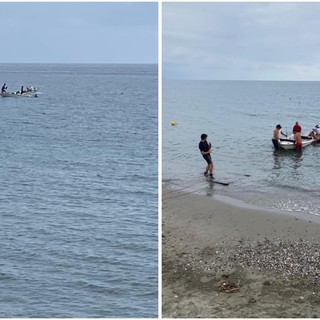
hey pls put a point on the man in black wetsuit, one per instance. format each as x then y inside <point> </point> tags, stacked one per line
<point>205,150</point>
<point>4,88</point>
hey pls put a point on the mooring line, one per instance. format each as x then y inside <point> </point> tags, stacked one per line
<point>236,157</point>
<point>182,194</point>
<point>177,190</point>
<point>185,193</point>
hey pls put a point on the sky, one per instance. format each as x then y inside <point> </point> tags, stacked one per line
<point>103,32</point>
<point>241,41</point>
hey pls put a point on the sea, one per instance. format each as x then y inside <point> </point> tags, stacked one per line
<point>79,191</point>
<point>239,118</point>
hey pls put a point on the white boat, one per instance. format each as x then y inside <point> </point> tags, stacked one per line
<point>28,94</point>
<point>18,95</point>
<point>289,144</point>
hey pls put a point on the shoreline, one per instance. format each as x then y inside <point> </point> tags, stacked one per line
<point>267,255</point>
<point>236,202</point>
<point>243,205</point>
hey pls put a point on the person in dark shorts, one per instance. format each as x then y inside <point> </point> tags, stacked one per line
<point>276,133</point>
<point>205,150</point>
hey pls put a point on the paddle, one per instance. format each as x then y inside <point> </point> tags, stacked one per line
<point>289,140</point>
<point>218,182</point>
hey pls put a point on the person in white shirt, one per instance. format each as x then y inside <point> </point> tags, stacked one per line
<point>315,133</point>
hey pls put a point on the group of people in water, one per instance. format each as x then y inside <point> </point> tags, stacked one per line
<point>22,90</point>
<point>206,148</point>
<point>296,130</point>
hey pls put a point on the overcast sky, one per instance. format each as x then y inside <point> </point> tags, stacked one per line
<point>79,32</point>
<point>241,41</point>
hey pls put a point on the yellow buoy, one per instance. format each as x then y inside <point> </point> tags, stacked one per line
<point>173,123</point>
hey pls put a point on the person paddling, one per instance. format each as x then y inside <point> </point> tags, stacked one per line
<point>4,88</point>
<point>205,150</point>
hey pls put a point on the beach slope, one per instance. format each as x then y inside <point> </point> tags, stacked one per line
<point>221,260</point>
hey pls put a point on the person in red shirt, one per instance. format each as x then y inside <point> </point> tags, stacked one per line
<point>296,127</point>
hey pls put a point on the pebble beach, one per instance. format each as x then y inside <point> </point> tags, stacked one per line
<point>221,260</point>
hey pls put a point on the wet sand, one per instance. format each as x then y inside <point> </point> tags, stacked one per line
<point>270,261</point>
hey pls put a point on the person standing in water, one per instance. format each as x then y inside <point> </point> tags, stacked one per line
<point>298,140</point>
<point>275,138</point>
<point>205,150</point>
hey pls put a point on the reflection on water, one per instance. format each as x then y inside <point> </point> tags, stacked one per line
<point>285,160</point>
<point>276,159</point>
<point>210,190</point>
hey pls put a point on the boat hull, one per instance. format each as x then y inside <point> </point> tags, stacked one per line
<point>17,95</point>
<point>289,144</point>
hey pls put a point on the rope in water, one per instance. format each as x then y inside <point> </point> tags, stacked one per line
<point>183,188</point>
<point>185,193</point>
<point>237,157</point>
<point>182,194</point>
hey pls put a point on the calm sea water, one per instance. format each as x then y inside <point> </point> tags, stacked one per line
<point>78,192</point>
<point>239,118</point>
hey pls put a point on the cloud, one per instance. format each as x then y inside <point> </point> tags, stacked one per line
<point>241,40</point>
<point>100,32</point>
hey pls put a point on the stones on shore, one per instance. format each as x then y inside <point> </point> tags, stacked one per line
<point>299,300</point>
<point>228,287</point>
<point>252,300</point>
<point>276,275</point>
<point>288,258</point>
